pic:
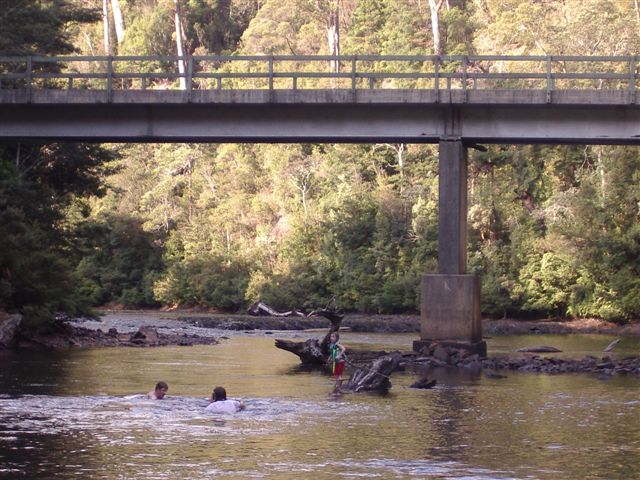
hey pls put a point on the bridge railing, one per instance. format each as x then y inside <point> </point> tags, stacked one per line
<point>275,72</point>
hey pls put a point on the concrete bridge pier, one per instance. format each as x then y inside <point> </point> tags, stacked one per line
<point>450,300</point>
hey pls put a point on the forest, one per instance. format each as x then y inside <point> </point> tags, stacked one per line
<point>553,230</point>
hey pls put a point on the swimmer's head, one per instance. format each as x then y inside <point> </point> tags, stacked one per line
<point>219,394</point>
<point>161,389</point>
<point>334,337</point>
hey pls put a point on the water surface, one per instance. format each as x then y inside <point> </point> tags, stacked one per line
<point>81,414</point>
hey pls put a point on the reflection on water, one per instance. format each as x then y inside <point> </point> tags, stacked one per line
<point>81,413</point>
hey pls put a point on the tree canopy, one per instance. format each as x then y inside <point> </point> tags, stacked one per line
<point>553,230</point>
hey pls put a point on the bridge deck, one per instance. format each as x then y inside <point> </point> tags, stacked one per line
<point>490,99</point>
<point>328,96</point>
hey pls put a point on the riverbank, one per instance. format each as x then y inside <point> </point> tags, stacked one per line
<point>89,333</point>
<point>120,327</point>
<point>155,328</point>
<point>400,323</point>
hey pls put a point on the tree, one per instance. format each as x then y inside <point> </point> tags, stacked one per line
<point>34,27</point>
<point>40,183</point>
<point>106,27</point>
<point>179,44</point>
<point>118,20</point>
<point>434,7</point>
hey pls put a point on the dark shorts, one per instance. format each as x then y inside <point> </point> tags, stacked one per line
<point>339,368</point>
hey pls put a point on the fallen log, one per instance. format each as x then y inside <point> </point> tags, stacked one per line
<point>312,351</point>
<point>612,345</point>
<point>540,349</point>
<point>261,308</point>
<point>374,377</point>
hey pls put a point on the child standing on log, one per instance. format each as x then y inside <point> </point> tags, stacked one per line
<point>337,359</point>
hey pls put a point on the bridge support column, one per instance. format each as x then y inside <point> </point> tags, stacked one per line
<point>450,300</point>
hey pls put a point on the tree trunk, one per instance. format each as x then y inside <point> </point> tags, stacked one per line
<point>118,20</point>
<point>179,45</point>
<point>261,308</point>
<point>375,376</point>
<point>434,6</point>
<point>312,351</point>
<point>105,27</point>
<point>333,36</point>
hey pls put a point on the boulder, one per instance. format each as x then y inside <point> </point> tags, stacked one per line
<point>441,354</point>
<point>145,336</point>
<point>8,327</point>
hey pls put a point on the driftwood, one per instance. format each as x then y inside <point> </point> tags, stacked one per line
<point>310,351</point>
<point>313,351</point>
<point>375,377</point>
<point>612,345</point>
<point>260,308</point>
<point>540,349</point>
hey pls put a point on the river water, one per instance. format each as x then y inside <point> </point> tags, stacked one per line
<point>81,414</point>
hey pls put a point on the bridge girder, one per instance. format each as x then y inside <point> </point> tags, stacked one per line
<point>332,117</point>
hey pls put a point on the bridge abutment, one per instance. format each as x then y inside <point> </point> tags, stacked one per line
<point>450,300</point>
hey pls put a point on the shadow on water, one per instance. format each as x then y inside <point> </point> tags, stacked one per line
<point>34,372</point>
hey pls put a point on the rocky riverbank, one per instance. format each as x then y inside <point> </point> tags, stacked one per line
<point>438,356</point>
<point>403,324</point>
<point>64,334</point>
<point>351,322</point>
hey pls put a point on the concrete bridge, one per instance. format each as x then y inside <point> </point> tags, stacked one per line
<point>456,102</point>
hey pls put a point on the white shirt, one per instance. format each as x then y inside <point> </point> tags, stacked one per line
<point>224,406</point>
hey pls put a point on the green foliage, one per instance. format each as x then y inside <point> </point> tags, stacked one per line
<point>552,230</point>
<point>367,28</point>
<point>212,282</point>
<point>36,274</point>
<point>119,262</point>
<point>41,26</point>
<point>215,26</point>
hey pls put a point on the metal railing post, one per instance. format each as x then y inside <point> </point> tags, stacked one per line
<point>189,77</point>
<point>550,85</point>
<point>109,79</point>
<point>218,62</point>
<point>29,77</point>
<point>465,62</point>
<point>436,78</point>
<point>353,73</point>
<point>632,79</point>
<point>270,72</point>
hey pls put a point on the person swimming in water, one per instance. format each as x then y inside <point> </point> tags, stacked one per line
<point>220,404</point>
<point>159,392</point>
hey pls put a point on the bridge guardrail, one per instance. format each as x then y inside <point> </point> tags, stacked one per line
<point>276,72</point>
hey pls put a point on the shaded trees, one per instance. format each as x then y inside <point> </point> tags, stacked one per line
<point>553,230</point>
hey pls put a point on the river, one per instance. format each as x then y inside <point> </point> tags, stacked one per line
<point>81,414</point>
